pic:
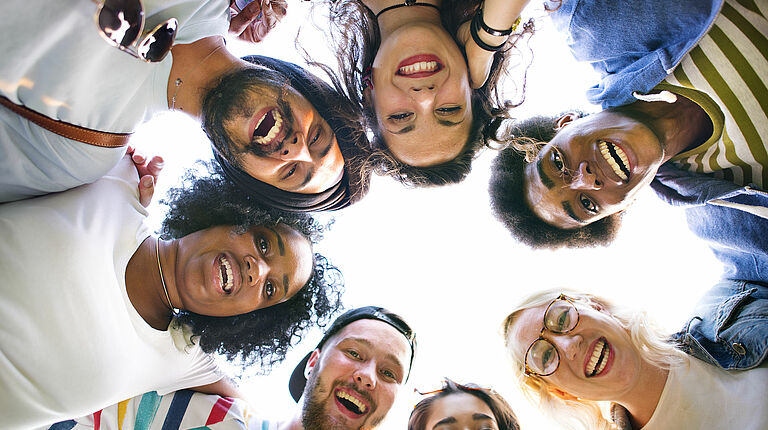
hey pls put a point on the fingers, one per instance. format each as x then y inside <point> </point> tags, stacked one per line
<point>146,190</point>
<point>155,166</point>
<point>244,18</point>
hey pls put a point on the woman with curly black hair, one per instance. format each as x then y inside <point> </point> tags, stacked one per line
<point>406,64</point>
<point>90,298</point>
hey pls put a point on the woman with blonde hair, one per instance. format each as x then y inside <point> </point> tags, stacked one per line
<point>573,350</point>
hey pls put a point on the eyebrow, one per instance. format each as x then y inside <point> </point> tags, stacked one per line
<point>569,210</point>
<point>285,286</point>
<point>280,244</point>
<point>543,176</point>
<point>480,416</point>
<point>446,420</point>
<point>404,130</point>
<point>449,123</point>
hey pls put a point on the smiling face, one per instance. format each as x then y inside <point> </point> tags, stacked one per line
<point>597,358</point>
<point>354,379</point>
<point>221,273</point>
<point>460,411</point>
<point>421,95</point>
<point>592,168</point>
<point>272,132</point>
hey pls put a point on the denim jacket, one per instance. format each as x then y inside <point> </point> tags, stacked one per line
<point>737,237</point>
<point>634,45</point>
<point>730,326</point>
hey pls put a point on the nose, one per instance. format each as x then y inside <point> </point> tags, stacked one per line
<point>255,270</point>
<point>585,178</point>
<point>423,94</point>
<point>295,149</point>
<point>567,344</point>
<point>365,375</point>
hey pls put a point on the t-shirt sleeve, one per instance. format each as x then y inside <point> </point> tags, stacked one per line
<point>201,370</point>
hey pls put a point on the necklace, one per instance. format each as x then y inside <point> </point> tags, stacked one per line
<point>404,4</point>
<point>179,82</point>
<point>162,278</point>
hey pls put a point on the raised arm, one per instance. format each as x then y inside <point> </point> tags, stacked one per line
<point>499,17</point>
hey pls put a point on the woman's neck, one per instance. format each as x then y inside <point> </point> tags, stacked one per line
<point>393,19</point>
<point>642,400</point>
<point>144,284</point>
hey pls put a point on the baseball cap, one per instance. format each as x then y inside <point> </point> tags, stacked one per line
<point>298,380</point>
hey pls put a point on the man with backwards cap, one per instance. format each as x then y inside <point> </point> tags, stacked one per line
<point>277,129</point>
<point>349,381</point>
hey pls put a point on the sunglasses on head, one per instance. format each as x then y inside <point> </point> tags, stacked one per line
<point>121,22</point>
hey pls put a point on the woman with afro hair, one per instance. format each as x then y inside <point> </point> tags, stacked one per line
<point>97,310</point>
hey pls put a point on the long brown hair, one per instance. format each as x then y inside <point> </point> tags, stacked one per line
<point>353,34</point>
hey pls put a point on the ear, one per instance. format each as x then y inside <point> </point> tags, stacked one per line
<point>565,120</point>
<point>313,359</point>
<point>368,96</point>
<point>561,394</point>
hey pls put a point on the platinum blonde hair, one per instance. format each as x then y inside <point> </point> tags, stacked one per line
<point>651,342</point>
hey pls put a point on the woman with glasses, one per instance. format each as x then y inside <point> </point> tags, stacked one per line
<point>97,310</point>
<point>462,406</point>
<point>404,62</point>
<point>573,350</point>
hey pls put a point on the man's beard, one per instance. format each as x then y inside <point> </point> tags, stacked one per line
<point>229,100</point>
<point>313,413</point>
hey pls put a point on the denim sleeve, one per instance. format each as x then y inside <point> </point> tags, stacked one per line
<point>729,327</point>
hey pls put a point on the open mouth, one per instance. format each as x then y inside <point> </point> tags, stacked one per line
<point>616,158</point>
<point>351,403</point>
<point>419,66</point>
<point>226,278</point>
<point>599,358</point>
<point>268,127</point>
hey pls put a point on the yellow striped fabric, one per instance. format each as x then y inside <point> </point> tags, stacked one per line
<point>727,75</point>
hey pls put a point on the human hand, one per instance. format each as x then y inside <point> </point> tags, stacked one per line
<point>148,171</point>
<point>256,20</point>
<point>479,60</point>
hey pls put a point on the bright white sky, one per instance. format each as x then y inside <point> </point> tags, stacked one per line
<point>439,258</point>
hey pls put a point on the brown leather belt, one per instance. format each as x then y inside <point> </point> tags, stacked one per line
<point>70,131</point>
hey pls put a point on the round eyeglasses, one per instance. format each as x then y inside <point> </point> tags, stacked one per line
<point>560,317</point>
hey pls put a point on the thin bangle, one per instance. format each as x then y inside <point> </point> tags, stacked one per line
<point>473,29</point>
<point>492,31</point>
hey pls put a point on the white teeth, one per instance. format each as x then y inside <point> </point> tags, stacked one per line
<point>227,287</point>
<point>604,150</point>
<point>355,401</point>
<point>593,360</point>
<point>421,66</point>
<point>273,131</point>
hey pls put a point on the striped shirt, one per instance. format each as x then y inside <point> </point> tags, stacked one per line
<point>183,409</point>
<point>726,75</point>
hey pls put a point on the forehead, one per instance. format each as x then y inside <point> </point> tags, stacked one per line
<point>380,335</point>
<point>445,143</point>
<point>297,248</point>
<point>457,405</point>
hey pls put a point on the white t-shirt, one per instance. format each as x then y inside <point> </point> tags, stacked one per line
<point>71,342</point>
<point>55,62</point>
<point>702,396</point>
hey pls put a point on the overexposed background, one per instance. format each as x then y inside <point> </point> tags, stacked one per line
<point>439,258</point>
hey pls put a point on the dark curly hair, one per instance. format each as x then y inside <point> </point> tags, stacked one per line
<point>502,412</point>
<point>507,191</point>
<point>353,34</point>
<point>207,199</point>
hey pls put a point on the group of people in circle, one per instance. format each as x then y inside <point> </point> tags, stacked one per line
<point>107,325</point>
